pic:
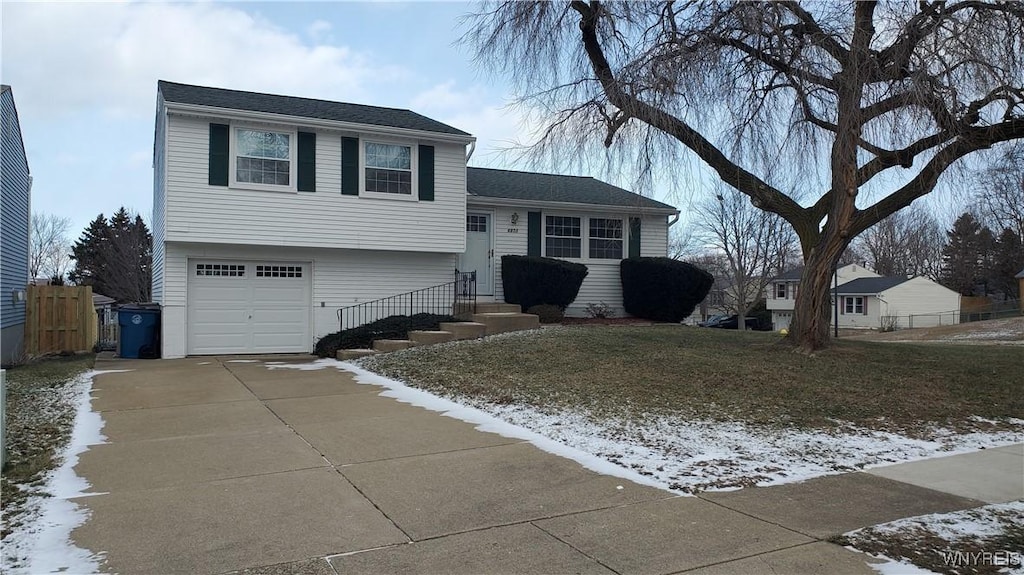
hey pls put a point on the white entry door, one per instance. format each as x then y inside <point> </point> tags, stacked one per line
<point>248,307</point>
<point>479,257</point>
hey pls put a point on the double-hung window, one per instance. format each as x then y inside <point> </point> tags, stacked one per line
<point>563,238</point>
<point>780,291</point>
<point>853,304</point>
<point>263,157</point>
<point>605,239</point>
<point>388,168</point>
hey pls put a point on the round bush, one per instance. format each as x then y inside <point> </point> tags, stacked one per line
<point>662,289</point>
<point>547,313</point>
<point>532,280</point>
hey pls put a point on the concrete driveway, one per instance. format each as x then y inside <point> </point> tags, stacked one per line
<point>220,465</point>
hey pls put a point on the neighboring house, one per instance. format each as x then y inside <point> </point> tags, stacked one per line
<point>896,302</point>
<point>15,193</point>
<point>106,308</point>
<point>272,212</point>
<point>780,295</point>
<point>1020,278</point>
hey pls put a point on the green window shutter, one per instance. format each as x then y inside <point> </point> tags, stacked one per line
<point>634,237</point>
<point>350,166</point>
<point>426,166</point>
<point>306,173</point>
<point>533,233</point>
<point>219,160</point>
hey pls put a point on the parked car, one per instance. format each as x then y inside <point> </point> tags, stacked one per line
<point>723,321</point>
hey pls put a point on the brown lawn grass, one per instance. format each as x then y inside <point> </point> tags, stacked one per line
<point>718,374</point>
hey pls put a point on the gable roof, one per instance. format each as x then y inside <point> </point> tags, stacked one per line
<point>793,274</point>
<point>869,286</point>
<point>534,186</point>
<point>1020,275</point>
<point>301,107</point>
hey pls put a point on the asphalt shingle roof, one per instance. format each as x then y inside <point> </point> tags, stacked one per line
<point>301,107</point>
<point>869,285</point>
<point>793,274</point>
<point>490,183</point>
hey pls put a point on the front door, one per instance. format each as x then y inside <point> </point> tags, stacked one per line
<point>478,256</point>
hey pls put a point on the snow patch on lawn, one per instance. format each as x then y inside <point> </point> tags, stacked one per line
<point>43,544</point>
<point>988,335</point>
<point>683,455</point>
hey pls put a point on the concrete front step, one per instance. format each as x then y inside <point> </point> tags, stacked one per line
<point>385,345</point>
<point>347,354</point>
<point>464,329</point>
<point>497,307</point>
<point>498,322</point>
<point>430,337</point>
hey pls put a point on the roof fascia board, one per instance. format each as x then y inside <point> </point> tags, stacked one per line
<point>511,202</point>
<point>247,115</point>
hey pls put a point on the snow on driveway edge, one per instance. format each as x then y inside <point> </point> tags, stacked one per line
<point>43,544</point>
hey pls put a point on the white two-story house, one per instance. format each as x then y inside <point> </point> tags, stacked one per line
<point>273,212</point>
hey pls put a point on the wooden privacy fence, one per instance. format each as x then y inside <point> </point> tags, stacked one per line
<point>59,318</point>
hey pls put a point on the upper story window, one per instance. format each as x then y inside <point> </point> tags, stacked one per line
<point>562,237</point>
<point>263,157</point>
<point>780,291</point>
<point>388,168</point>
<point>605,238</point>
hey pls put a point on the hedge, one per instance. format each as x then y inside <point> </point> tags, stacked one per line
<point>393,327</point>
<point>533,280</point>
<point>662,289</point>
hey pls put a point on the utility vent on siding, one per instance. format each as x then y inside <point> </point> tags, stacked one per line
<point>222,270</point>
<point>279,271</point>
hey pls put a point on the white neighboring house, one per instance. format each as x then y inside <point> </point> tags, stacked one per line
<point>272,212</point>
<point>896,303</point>
<point>868,300</point>
<point>781,292</point>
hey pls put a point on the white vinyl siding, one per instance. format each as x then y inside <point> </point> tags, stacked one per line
<point>339,278</point>
<point>198,212</point>
<point>602,282</point>
<point>159,201</point>
<point>929,303</point>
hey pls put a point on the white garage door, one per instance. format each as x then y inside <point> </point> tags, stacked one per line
<point>248,307</point>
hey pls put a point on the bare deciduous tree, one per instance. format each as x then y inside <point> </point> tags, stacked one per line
<point>755,244</point>
<point>873,100</point>
<point>907,243</point>
<point>1001,202</point>
<point>50,248</point>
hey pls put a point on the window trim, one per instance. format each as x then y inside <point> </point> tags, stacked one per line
<point>414,169</point>
<point>850,305</point>
<point>621,239</point>
<point>784,289</point>
<point>584,221</point>
<point>585,234</point>
<point>293,145</point>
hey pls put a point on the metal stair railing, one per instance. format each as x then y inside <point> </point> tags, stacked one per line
<point>450,298</point>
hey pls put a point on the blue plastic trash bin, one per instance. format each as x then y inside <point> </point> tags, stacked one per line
<point>140,332</point>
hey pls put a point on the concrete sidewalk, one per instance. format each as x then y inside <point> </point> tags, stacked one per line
<point>217,466</point>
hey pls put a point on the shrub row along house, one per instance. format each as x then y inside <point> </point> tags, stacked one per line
<point>870,301</point>
<point>273,212</point>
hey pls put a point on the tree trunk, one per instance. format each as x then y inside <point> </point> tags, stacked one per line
<point>812,311</point>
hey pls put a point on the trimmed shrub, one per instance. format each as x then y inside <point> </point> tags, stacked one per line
<point>393,327</point>
<point>533,280</point>
<point>547,313</point>
<point>662,289</point>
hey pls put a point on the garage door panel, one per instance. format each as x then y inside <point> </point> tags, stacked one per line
<point>259,308</point>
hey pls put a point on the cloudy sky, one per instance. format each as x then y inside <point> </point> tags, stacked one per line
<point>84,79</point>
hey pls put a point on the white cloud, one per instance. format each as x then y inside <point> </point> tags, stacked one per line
<point>319,30</point>
<point>75,58</point>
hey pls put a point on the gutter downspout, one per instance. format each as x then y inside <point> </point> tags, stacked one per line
<point>472,148</point>
<point>673,221</point>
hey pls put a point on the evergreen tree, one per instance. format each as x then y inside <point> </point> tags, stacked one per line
<point>115,257</point>
<point>1007,262</point>
<point>962,256</point>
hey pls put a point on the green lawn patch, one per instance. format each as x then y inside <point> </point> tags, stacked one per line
<point>726,375</point>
